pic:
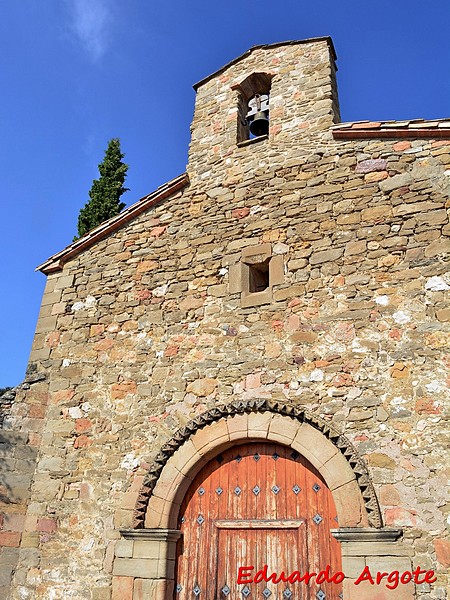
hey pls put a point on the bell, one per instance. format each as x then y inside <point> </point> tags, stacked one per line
<point>260,124</point>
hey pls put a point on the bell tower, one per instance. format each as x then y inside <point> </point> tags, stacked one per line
<point>277,99</point>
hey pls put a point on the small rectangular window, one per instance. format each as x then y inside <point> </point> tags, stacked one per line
<point>255,275</point>
<point>259,276</point>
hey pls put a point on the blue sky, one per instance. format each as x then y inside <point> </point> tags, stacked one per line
<point>76,73</point>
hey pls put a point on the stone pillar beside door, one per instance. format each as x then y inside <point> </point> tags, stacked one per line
<point>382,551</point>
<point>144,565</point>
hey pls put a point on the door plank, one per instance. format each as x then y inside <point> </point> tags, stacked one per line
<point>234,528</point>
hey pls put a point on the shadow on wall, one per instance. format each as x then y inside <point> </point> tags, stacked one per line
<point>17,464</point>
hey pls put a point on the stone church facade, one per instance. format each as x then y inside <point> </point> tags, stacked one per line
<point>286,296</point>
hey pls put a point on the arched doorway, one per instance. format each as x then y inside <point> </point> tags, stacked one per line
<point>257,504</point>
<point>144,563</point>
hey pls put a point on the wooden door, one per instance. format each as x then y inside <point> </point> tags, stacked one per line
<point>253,505</point>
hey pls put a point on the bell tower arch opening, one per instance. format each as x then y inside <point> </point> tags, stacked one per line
<point>253,94</point>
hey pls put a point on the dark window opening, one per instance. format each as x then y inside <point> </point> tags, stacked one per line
<point>259,276</point>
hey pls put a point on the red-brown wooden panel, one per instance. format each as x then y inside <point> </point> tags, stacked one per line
<point>256,504</point>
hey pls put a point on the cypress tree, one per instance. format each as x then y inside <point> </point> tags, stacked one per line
<point>106,191</point>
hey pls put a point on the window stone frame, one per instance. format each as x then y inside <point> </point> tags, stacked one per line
<point>239,277</point>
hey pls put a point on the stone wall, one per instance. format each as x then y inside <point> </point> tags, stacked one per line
<point>140,333</point>
<point>6,402</point>
<point>17,464</point>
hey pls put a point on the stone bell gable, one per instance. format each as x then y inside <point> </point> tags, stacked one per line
<point>289,290</point>
<point>299,78</point>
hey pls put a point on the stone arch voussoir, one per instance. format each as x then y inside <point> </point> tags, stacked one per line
<point>192,446</point>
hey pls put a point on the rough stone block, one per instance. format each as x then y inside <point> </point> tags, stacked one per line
<point>144,589</point>
<point>123,518</point>
<point>350,505</point>
<point>101,593</point>
<point>64,281</point>
<point>10,538</point>
<point>146,568</point>
<point>124,549</point>
<point>39,354</point>
<point>337,472</point>
<point>147,549</point>
<point>317,258</point>
<point>439,246</point>
<point>401,180</point>
<point>313,446</point>
<point>380,550</point>
<point>375,213</point>
<point>122,588</point>
<point>283,429</point>
<point>353,566</point>
<point>210,437</point>
<point>46,324</point>
<point>52,298</point>
<point>237,427</point>
<point>30,540</point>
<point>258,424</point>
<point>9,556</point>
<point>5,576</point>
<point>375,592</point>
<point>156,589</point>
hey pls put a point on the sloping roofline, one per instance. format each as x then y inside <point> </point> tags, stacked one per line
<point>416,129</point>
<point>56,262</point>
<point>248,52</point>
<point>413,128</point>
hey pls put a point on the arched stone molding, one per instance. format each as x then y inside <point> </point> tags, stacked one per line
<point>181,458</point>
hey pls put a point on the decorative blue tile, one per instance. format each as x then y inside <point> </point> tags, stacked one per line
<point>266,593</point>
<point>201,491</point>
<point>296,489</point>
<point>219,491</point>
<point>275,489</point>
<point>225,590</point>
<point>245,592</point>
<point>317,519</point>
<point>197,590</point>
<point>256,490</point>
<point>200,519</point>
<point>316,487</point>
<point>237,490</point>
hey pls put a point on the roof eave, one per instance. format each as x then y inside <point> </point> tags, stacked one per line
<point>412,129</point>
<point>371,134</point>
<point>56,262</point>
